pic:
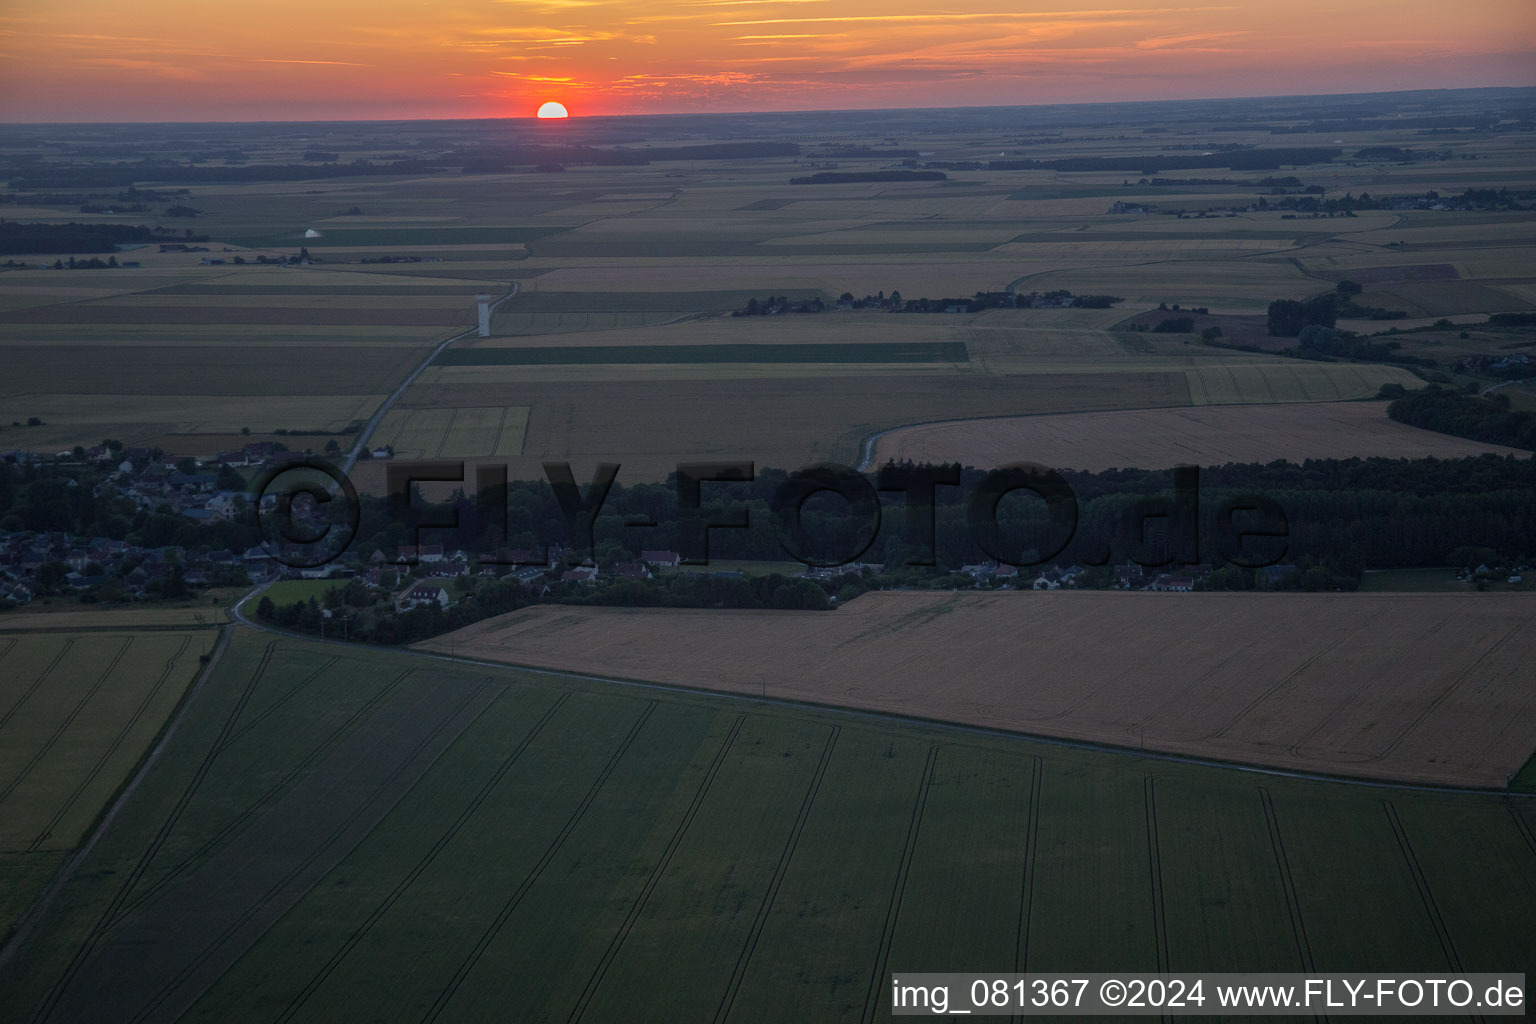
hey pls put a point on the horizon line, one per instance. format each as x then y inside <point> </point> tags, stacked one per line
<point>785,111</point>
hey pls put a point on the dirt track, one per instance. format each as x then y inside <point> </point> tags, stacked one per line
<point>1420,688</point>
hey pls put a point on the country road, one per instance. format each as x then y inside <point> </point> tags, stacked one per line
<point>389,403</point>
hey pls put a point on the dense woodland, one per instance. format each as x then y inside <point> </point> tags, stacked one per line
<point>1486,418</point>
<point>53,238</point>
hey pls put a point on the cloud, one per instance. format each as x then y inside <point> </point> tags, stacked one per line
<point>282,60</point>
<point>991,15</point>
<point>1164,42</point>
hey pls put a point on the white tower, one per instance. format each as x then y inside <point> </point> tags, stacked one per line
<point>483,303</point>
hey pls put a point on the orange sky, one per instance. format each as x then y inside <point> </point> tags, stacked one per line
<point>157,60</point>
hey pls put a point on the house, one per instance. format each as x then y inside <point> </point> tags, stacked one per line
<point>258,564</point>
<point>525,556</point>
<point>419,595</point>
<point>224,504</point>
<point>580,574</point>
<point>664,559</point>
<point>195,481</point>
<point>631,571</point>
<point>1173,584</point>
<point>16,593</point>
<point>419,553</point>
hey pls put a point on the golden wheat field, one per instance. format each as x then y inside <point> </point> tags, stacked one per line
<point>1160,438</point>
<point>1431,688</point>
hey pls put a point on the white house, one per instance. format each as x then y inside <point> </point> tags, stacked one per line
<point>419,595</point>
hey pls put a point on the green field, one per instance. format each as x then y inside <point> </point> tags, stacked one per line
<point>1433,581</point>
<point>291,591</point>
<point>870,352</point>
<point>337,833</point>
<point>77,711</point>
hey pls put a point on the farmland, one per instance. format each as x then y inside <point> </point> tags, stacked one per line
<point>274,350</point>
<point>1158,439</point>
<point>1422,687</point>
<point>77,712</point>
<point>774,419</point>
<point>460,431</point>
<point>653,257</point>
<point>540,848</point>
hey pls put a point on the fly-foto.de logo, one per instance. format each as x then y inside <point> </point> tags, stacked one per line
<point>307,513</point>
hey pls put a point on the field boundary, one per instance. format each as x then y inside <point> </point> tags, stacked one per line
<point>238,612</point>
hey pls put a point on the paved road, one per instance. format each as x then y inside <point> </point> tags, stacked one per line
<point>389,403</point>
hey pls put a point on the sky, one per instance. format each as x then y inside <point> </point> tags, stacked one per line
<point>285,60</point>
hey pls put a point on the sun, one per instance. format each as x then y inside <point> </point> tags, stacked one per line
<point>553,109</point>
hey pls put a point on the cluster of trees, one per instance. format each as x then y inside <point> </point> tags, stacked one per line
<point>1481,418</point>
<point>1236,159</point>
<point>357,613</point>
<point>779,304</point>
<point>1383,513</point>
<point>1287,318</point>
<point>1475,199</point>
<point>17,237</point>
<point>1311,575</point>
<point>1317,341</point>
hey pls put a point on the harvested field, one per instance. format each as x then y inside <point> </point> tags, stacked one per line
<point>198,424</point>
<point>1247,330</point>
<point>218,313</point>
<point>1161,438</point>
<point>1425,688</point>
<point>1394,274</point>
<point>294,370</point>
<point>1249,382</point>
<point>870,352</point>
<point>787,275</point>
<point>778,421</point>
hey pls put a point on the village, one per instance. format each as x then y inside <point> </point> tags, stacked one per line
<point>191,510</point>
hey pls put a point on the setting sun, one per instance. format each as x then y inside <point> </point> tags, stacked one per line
<point>553,109</point>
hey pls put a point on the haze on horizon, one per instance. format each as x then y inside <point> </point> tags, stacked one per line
<point>396,59</point>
